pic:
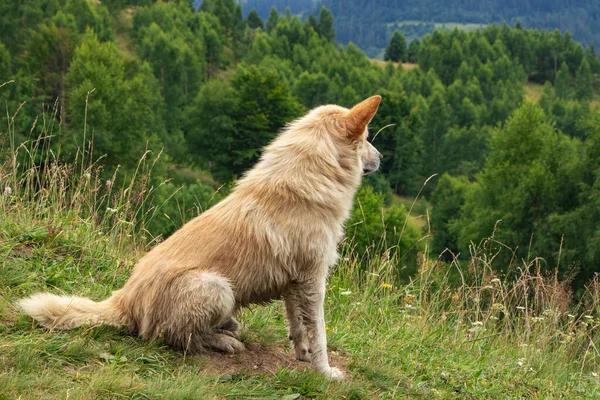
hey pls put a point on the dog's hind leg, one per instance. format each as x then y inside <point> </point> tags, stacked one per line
<point>201,302</point>
<point>229,327</point>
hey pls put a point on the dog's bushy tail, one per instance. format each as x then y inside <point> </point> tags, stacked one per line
<point>67,312</point>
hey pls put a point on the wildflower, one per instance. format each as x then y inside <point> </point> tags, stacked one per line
<point>570,316</point>
<point>520,308</point>
<point>346,293</point>
<point>88,175</point>
<point>7,191</point>
<point>477,323</point>
<point>520,362</point>
<point>537,319</point>
<point>386,286</point>
<point>595,375</point>
<point>112,210</point>
<point>327,328</point>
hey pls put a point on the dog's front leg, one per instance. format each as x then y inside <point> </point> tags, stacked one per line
<point>311,296</point>
<point>297,329</point>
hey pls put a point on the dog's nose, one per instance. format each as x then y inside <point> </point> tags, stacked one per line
<point>380,155</point>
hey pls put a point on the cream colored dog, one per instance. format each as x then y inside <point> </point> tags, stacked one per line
<point>273,237</point>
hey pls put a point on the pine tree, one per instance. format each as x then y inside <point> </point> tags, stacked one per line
<point>583,82</point>
<point>326,24</point>
<point>564,82</point>
<point>273,19</point>
<point>396,50</point>
<point>413,51</point>
<point>254,20</point>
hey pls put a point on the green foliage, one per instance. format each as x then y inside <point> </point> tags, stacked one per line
<point>325,27</point>
<point>396,50</point>
<point>121,129</point>
<point>175,206</point>
<point>254,20</point>
<point>518,190</point>
<point>584,89</point>
<point>447,201</point>
<point>373,228</point>
<point>564,83</point>
<point>264,106</point>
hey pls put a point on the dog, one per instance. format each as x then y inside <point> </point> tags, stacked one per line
<point>274,237</point>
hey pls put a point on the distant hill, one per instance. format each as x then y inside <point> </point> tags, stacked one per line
<point>370,23</point>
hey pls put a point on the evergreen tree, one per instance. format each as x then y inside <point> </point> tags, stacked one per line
<point>254,20</point>
<point>396,50</point>
<point>273,19</point>
<point>413,51</point>
<point>583,82</point>
<point>564,82</point>
<point>326,24</point>
<point>265,106</point>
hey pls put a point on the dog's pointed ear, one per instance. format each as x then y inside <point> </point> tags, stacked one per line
<point>360,115</point>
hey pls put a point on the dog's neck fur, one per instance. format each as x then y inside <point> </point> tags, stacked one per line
<point>295,153</point>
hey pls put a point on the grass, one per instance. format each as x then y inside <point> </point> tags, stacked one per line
<point>457,330</point>
<point>533,91</point>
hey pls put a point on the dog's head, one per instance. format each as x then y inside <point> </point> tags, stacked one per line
<point>356,122</point>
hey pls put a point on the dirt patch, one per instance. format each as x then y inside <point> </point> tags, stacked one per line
<point>258,359</point>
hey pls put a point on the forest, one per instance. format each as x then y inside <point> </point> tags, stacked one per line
<point>201,91</point>
<point>369,24</point>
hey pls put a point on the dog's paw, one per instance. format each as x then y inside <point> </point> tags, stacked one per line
<point>225,344</point>
<point>303,355</point>
<point>302,352</point>
<point>333,374</point>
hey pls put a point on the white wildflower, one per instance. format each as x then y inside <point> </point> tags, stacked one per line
<point>346,293</point>
<point>570,316</point>
<point>88,175</point>
<point>112,210</point>
<point>537,319</point>
<point>520,308</point>
<point>595,375</point>
<point>7,191</point>
<point>477,323</point>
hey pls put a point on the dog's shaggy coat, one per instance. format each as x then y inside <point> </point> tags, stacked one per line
<point>273,237</point>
